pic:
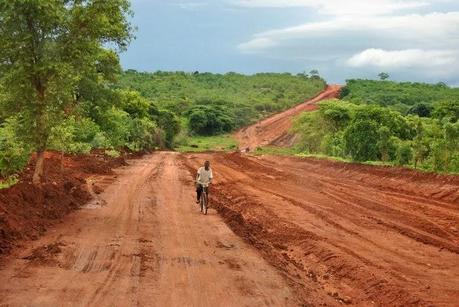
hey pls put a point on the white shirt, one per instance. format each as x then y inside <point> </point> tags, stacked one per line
<point>204,177</point>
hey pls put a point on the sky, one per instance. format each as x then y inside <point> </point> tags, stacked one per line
<point>412,40</point>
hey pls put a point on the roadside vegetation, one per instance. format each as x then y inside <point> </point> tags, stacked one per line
<point>375,131</point>
<point>224,142</point>
<point>62,88</point>
<point>405,97</point>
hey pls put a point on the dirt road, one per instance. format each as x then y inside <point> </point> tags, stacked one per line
<point>274,130</point>
<point>142,243</point>
<point>344,233</point>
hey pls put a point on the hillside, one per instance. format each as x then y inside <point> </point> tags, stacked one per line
<point>400,96</point>
<point>210,104</point>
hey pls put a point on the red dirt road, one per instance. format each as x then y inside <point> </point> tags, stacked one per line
<point>343,233</point>
<point>274,130</point>
<point>289,232</point>
<point>143,243</point>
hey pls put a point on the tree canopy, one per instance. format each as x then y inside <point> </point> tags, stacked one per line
<point>54,55</point>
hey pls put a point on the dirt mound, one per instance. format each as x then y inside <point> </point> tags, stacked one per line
<point>26,211</point>
<point>274,130</point>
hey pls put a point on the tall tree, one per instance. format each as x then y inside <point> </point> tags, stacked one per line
<point>49,49</point>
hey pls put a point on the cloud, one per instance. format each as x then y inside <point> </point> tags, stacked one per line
<point>404,58</point>
<point>423,44</point>
<point>432,29</point>
<point>340,7</point>
<point>257,44</point>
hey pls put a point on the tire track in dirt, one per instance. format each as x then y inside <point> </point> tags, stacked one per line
<point>144,244</point>
<point>344,233</point>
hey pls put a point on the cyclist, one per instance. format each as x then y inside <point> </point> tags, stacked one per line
<point>203,179</point>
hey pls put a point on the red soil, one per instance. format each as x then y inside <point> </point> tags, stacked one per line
<point>274,130</point>
<point>345,233</point>
<point>26,211</point>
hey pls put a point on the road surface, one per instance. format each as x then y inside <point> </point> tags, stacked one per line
<point>345,233</point>
<point>274,130</point>
<point>143,242</point>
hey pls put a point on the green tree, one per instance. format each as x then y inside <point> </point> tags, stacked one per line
<point>404,153</point>
<point>420,109</point>
<point>448,110</point>
<point>385,144</point>
<point>383,76</point>
<point>170,124</point>
<point>14,153</point>
<point>210,120</point>
<point>48,49</point>
<point>419,149</point>
<point>361,138</point>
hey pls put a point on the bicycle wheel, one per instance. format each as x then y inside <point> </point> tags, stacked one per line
<point>204,203</point>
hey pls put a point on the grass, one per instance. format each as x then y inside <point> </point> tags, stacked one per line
<point>208,143</point>
<point>8,182</point>
<point>276,151</point>
<point>297,153</point>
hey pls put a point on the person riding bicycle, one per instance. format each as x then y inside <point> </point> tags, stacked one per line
<point>203,179</point>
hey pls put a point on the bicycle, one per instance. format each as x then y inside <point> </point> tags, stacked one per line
<point>204,200</point>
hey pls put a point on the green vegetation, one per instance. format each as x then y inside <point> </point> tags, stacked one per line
<point>8,182</point>
<point>207,143</point>
<point>276,151</point>
<point>405,97</point>
<point>54,58</point>
<point>212,104</point>
<point>369,132</point>
<point>59,69</point>
<point>62,88</point>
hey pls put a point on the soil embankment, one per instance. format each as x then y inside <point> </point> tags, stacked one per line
<point>26,211</point>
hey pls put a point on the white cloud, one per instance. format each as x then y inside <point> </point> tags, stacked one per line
<point>427,43</point>
<point>257,44</point>
<point>405,58</point>
<point>435,29</point>
<point>340,7</point>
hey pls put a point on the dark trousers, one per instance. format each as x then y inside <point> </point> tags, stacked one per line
<point>199,190</point>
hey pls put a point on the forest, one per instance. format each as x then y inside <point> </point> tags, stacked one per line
<point>405,97</point>
<point>144,111</point>
<point>211,104</point>
<point>406,124</point>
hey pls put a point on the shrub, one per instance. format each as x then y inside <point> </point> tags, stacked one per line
<point>210,120</point>
<point>361,138</point>
<point>404,153</point>
<point>14,153</point>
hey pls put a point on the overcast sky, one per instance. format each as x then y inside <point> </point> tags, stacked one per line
<point>414,40</point>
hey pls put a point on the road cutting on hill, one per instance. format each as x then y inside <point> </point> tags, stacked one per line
<point>274,130</point>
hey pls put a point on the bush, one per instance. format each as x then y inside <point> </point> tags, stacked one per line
<point>170,124</point>
<point>14,153</point>
<point>361,138</point>
<point>404,154</point>
<point>210,120</point>
<point>116,124</point>
<point>63,137</point>
<point>141,135</point>
<point>420,109</point>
